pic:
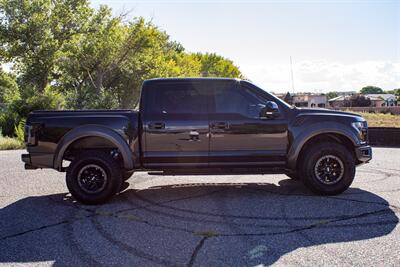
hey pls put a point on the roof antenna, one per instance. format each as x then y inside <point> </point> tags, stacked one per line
<point>291,71</point>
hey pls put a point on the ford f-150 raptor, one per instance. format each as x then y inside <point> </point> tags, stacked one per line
<point>206,125</point>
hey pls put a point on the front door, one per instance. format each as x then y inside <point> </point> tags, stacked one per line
<point>175,124</point>
<point>239,136</point>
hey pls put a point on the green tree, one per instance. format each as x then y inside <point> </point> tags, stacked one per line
<point>358,100</point>
<point>105,68</point>
<point>33,32</point>
<point>8,88</point>
<point>64,48</point>
<point>213,65</point>
<point>395,92</point>
<point>371,90</point>
<point>331,95</point>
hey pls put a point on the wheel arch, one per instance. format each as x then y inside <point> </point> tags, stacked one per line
<point>95,133</point>
<point>333,135</point>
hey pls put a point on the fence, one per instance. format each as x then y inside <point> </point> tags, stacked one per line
<point>383,136</point>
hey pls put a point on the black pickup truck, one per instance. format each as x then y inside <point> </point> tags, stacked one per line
<point>202,125</point>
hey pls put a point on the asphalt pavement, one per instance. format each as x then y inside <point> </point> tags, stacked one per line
<point>230,220</point>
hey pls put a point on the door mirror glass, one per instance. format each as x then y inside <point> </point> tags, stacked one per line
<point>270,111</point>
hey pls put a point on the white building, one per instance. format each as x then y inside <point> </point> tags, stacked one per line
<point>309,100</point>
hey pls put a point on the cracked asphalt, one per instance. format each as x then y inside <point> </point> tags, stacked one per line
<point>231,220</point>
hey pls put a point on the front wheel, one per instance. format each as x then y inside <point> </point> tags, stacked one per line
<point>93,177</point>
<point>327,168</point>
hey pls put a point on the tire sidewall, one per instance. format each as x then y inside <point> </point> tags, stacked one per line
<point>314,154</point>
<point>114,178</point>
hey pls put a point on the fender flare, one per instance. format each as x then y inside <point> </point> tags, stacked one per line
<point>303,137</point>
<point>95,131</point>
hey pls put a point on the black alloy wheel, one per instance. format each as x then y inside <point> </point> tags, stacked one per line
<point>92,179</point>
<point>329,169</point>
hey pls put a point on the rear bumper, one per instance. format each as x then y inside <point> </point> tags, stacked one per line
<point>37,160</point>
<point>26,158</point>
<point>28,163</point>
<point>364,153</point>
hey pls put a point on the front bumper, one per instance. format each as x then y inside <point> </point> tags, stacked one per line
<point>364,153</point>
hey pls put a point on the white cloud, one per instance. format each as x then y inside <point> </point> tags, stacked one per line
<point>322,76</point>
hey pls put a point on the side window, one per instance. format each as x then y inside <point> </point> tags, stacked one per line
<point>175,99</point>
<point>238,100</point>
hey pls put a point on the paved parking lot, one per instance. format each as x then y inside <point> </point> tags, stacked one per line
<point>202,220</point>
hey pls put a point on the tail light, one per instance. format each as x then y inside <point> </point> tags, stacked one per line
<point>31,134</point>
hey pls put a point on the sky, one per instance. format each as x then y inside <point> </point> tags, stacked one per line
<point>334,45</point>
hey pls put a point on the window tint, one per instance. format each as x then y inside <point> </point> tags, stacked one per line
<point>238,100</point>
<point>175,99</point>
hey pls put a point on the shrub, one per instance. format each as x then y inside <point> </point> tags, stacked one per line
<point>19,131</point>
<point>13,117</point>
<point>8,120</point>
<point>7,143</point>
<point>49,99</point>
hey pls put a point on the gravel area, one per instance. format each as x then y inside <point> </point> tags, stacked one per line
<point>235,220</point>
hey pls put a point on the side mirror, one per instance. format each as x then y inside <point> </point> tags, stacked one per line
<point>270,111</point>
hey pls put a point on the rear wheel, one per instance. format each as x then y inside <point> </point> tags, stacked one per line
<point>327,168</point>
<point>93,177</point>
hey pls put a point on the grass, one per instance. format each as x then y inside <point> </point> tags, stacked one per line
<point>8,143</point>
<point>381,120</point>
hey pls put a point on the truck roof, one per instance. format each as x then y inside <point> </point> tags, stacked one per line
<point>200,79</point>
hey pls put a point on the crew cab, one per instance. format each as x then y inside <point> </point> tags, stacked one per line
<point>202,125</point>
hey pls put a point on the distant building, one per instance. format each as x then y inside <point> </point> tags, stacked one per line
<point>382,100</point>
<point>346,93</point>
<point>377,100</point>
<point>339,101</point>
<point>286,97</point>
<point>309,100</point>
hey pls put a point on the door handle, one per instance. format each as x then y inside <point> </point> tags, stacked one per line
<point>157,125</point>
<point>219,125</point>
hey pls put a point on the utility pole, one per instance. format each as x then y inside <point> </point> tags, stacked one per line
<point>291,71</point>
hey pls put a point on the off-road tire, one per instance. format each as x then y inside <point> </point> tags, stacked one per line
<point>310,159</point>
<point>107,164</point>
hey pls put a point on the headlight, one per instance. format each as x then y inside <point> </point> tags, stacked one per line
<point>359,125</point>
<point>362,128</point>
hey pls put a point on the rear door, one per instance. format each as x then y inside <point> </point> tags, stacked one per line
<point>175,124</point>
<point>239,137</point>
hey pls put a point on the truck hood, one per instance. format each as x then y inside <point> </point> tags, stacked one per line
<point>324,111</point>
